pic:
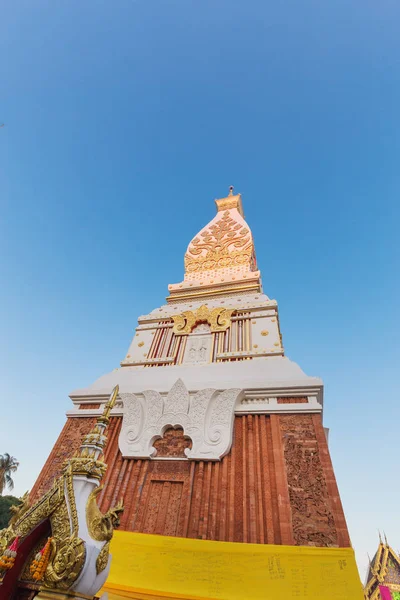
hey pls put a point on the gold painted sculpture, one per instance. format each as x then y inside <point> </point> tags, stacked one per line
<point>219,319</point>
<point>101,526</point>
<point>68,550</point>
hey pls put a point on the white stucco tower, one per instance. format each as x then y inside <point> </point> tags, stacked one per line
<point>217,331</point>
<point>215,432</point>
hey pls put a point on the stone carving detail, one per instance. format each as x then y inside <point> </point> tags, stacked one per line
<point>134,409</point>
<point>313,522</point>
<point>155,406</point>
<point>197,350</point>
<point>177,400</point>
<point>206,418</point>
<point>198,405</point>
<point>202,328</point>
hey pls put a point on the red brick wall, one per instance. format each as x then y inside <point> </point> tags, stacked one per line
<point>173,443</point>
<point>333,491</point>
<point>67,444</point>
<point>317,514</point>
<point>237,499</point>
<point>295,400</point>
<point>276,485</point>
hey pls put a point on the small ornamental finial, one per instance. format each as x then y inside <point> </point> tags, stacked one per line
<point>89,459</point>
<point>110,404</point>
<point>380,537</point>
<point>230,190</point>
<point>386,542</point>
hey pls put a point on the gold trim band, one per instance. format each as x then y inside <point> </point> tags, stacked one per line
<point>218,292</point>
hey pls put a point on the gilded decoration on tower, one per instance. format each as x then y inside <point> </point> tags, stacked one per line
<point>220,259</point>
<point>225,242</point>
<point>219,319</point>
<point>231,201</point>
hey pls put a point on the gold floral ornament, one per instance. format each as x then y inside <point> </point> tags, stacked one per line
<point>225,243</point>
<point>41,561</point>
<point>219,319</point>
<point>9,537</point>
<point>7,559</point>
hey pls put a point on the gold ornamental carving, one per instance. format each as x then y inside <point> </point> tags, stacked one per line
<point>58,506</point>
<point>26,517</point>
<point>102,559</point>
<point>67,549</point>
<point>66,562</point>
<point>228,203</point>
<point>101,526</point>
<point>225,243</point>
<point>219,319</point>
<point>89,466</point>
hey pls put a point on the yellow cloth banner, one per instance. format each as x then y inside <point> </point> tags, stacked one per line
<point>153,567</point>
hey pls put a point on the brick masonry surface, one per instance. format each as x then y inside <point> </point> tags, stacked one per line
<point>275,486</point>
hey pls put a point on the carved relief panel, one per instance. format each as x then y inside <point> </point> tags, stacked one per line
<point>206,418</point>
<point>198,346</point>
<point>163,507</point>
<point>313,521</point>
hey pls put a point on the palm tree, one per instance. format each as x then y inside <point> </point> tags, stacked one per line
<point>8,465</point>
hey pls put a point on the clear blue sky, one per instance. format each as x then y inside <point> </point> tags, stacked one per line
<point>123,121</point>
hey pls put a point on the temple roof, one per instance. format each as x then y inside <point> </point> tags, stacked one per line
<point>384,570</point>
<point>221,257</point>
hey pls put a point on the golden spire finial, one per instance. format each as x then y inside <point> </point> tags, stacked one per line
<point>386,542</point>
<point>230,190</point>
<point>93,443</point>
<point>110,403</point>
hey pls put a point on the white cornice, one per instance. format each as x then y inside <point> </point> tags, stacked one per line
<point>254,400</point>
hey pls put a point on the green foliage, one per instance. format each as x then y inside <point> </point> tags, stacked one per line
<point>5,514</point>
<point>8,466</point>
